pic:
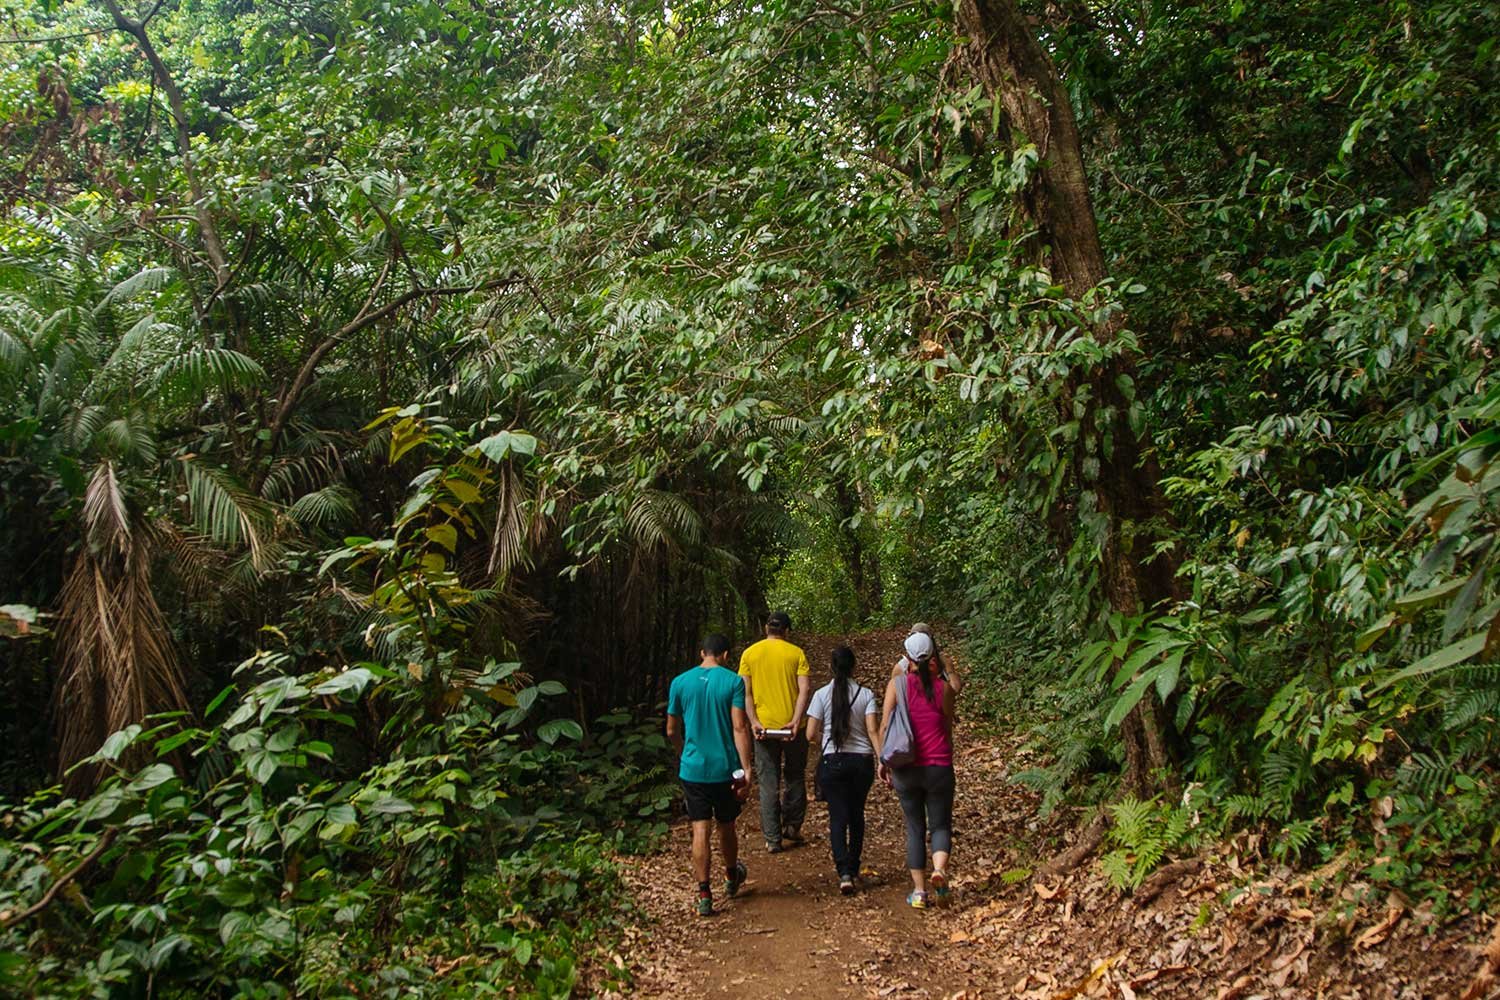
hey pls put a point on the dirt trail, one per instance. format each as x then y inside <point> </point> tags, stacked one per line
<point>790,933</point>
<point>1226,925</point>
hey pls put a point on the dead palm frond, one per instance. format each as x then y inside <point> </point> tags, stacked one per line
<point>117,662</point>
<point>520,525</point>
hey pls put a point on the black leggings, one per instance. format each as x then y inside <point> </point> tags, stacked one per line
<point>926,795</point>
<point>845,779</point>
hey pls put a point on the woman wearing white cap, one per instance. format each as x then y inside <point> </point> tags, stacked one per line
<point>947,671</point>
<point>925,784</point>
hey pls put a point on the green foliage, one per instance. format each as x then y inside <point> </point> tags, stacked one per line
<point>284,870</point>
<point>490,346</point>
<point>1142,835</point>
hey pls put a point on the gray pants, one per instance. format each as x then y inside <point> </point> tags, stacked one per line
<point>926,795</point>
<point>781,771</point>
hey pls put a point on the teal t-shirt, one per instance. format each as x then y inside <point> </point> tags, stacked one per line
<point>702,698</point>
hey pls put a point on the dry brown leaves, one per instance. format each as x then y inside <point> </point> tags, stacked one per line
<point>1228,927</point>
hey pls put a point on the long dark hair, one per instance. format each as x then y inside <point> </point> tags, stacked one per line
<point>924,674</point>
<point>842,662</point>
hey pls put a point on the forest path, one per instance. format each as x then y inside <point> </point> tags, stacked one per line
<point>790,932</point>
<point>1225,925</point>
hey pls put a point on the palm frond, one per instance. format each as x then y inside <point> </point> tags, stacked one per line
<point>772,520</point>
<point>14,354</point>
<point>225,512</point>
<point>657,518</point>
<point>198,567</point>
<point>81,424</point>
<point>290,477</point>
<point>194,374</point>
<point>128,437</point>
<point>151,279</point>
<point>324,508</point>
<point>105,522</point>
<point>143,345</point>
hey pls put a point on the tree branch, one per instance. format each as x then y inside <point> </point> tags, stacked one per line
<point>43,39</point>
<point>1089,839</point>
<point>212,244</point>
<point>105,840</point>
<point>360,322</point>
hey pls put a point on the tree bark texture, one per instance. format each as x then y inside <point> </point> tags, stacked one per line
<point>1004,55</point>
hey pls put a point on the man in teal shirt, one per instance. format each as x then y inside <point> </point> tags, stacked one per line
<point>707,724</point>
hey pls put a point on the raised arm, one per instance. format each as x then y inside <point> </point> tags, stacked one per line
<point>951,673</point>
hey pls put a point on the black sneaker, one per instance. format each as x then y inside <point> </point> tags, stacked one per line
<point>792,836</point>
<point>735,879</point>
<point>846,885</point>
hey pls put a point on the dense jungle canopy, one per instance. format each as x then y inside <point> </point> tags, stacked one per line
<point>391,394</point>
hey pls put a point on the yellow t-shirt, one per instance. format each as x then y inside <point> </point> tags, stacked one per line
<point>773,666</point>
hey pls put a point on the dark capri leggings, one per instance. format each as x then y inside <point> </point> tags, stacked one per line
<point>926,795</point>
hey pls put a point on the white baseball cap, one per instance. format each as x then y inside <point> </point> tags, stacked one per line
<point>918,646</point>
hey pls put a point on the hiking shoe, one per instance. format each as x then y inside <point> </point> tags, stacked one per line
<point>917,900</point>
<point>793,836</point>
<point>735,879</point>
<point>939,883</point>
<point>705,906</point>
<point>773,848</point>
<point>846,885</point>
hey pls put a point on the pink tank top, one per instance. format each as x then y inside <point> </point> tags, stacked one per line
<point>934,743</point>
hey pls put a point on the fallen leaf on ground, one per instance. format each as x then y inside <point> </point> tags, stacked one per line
<point>1153,974</point>
<point>1489,969</point>
<point>1377,934</point>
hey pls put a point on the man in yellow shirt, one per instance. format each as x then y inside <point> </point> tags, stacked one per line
<point>777,689</point>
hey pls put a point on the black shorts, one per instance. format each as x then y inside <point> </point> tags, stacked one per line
<point>715,800</point>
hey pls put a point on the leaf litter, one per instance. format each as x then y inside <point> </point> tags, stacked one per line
<point>1226,925</point>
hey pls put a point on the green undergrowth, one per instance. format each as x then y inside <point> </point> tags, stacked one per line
<point>1383,759</point>
<point>249,859</point>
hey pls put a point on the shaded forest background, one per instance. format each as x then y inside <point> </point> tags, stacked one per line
<point>392,393</point>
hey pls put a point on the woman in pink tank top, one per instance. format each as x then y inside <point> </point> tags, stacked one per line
<point>925,786</point>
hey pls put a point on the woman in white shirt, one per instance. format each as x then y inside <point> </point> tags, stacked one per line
<point>843,720</point>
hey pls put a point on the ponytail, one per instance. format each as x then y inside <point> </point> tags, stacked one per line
<point>924,674</point>
<point>838,697</point>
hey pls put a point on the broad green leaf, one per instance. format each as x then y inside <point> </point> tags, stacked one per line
<point>1445,658</point>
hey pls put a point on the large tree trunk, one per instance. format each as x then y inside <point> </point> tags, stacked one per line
<point>862,563</point>
<point>1004,56</point>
